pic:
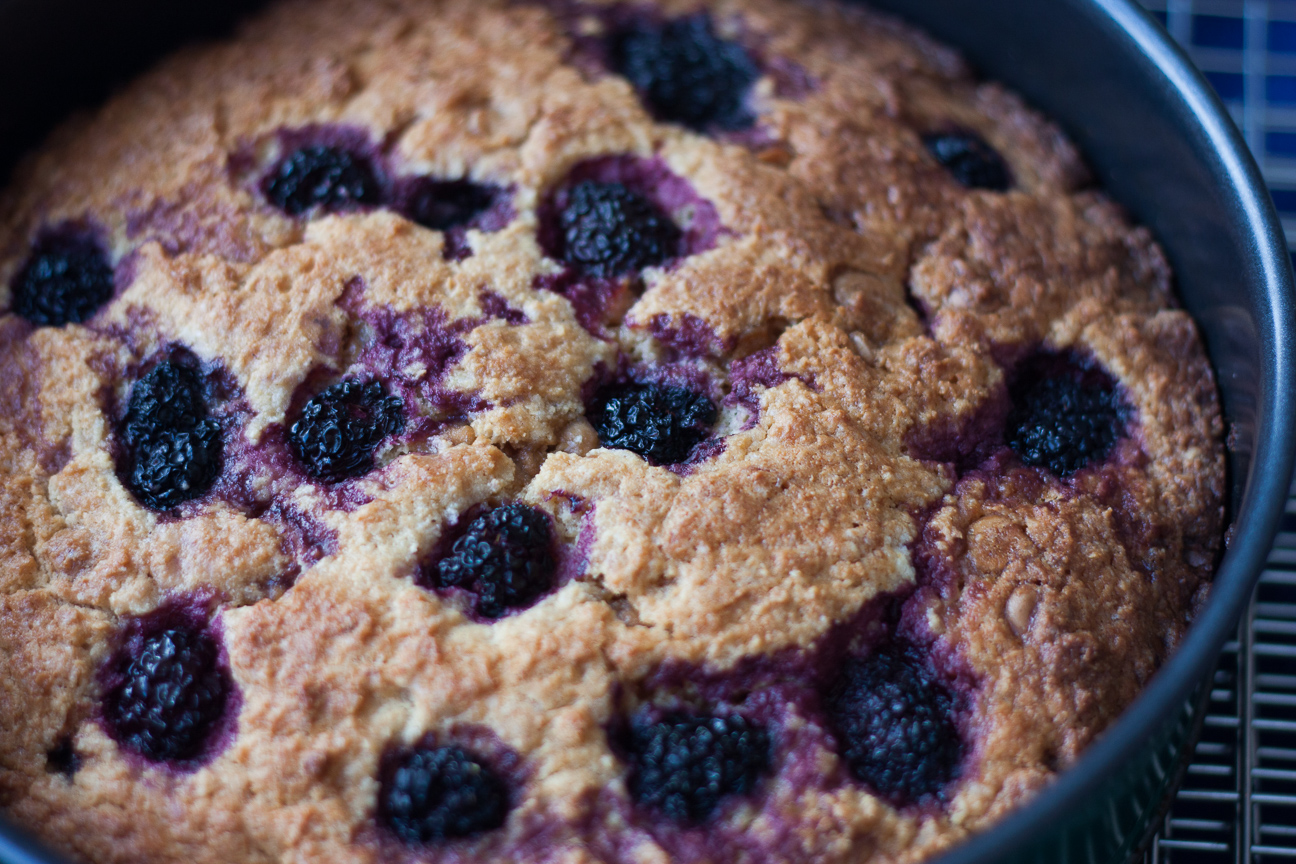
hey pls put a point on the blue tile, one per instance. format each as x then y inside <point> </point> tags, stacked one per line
<point>1282,36</point>
<point>1216,31</point>
<point>1229,85</point>
<point>1280,88</point>
<point>1281,143</point>
<point>1284,200</point>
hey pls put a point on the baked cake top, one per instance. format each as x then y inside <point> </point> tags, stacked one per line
<point>481,430</point>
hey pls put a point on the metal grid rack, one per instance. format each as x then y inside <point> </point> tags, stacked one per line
<point>1238,799</point>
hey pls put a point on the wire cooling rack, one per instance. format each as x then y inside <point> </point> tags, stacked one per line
<point>1238,799</point>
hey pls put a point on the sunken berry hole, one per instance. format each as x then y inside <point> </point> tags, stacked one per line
<point>169,689</point>
<point>330,178</point>
<point>895,726</point>
<point>171,450</point>
<point>65,280</point>
<point>683,766</point>
<point>685,73</point>
<point>340,429</point>
<point>444,204</point>
<point>62,758</point>
<point>969,160</point>
<point>429,794</point>
<point>1066,414</point>
<point>663,423</point>
<point>505,556</point>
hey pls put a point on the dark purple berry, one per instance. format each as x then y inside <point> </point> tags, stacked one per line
<point>330,178</point>
<point>661,423</point>
<point>173,451</point>
<point>505,555</point>
<point>169,396</point>
<point>439,793</point>
<point>970,160</point>
<point>174,466</point>
<point>62,758</point>
<point>687,74</point>
<point>64,280</point>
<point>894,724</point>
<point>339,430</point>
<point>609,230</point>
<point>445,204</point>
<point>171,697</point>
<point>1064,422</point>
<point>683,766</point>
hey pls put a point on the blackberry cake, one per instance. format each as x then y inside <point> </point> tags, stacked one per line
<point>503,430</point>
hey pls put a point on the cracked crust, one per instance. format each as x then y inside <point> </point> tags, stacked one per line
<point>857,318</point>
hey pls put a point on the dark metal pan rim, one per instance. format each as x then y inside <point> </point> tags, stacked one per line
<point>1266,487</point>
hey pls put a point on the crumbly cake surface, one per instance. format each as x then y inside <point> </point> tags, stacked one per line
<point>863,325</point>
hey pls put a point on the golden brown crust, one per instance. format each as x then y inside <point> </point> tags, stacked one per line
<point>886,305</point>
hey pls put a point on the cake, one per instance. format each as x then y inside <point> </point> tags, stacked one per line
<point>495,430</point>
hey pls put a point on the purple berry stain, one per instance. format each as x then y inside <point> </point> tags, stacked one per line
<point>413,351</point>
<point>969,160</point>
<point>505,556</point>
<point>758,370</point>
<point>663,423</point>
<point>430,794</point>
<point>685,73</point>
<point>322,176</point>
<point>683,766</point>
<point>688,335</point>
<point>65,280</point>
<point>339,430</point>
<point>895,726</point>
<point>168,688</point>
<point>172,450</point>
<point>1066,414</point>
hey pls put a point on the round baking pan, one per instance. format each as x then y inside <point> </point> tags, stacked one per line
<point>1160,143</point>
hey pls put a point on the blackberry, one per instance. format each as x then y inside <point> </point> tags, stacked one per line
<point>1064,423</point>
<point>970,160</point>
<point>172,694</point>
<point>445,204</point>
<point>173,466</point>
<point>64,281</point>
<point>339,429</point>
<point>439,793</point>
<point>661,423</point>
<point>172,449</point>
<point>683,766</point>
<point>609,230</point>
<point>169,396</point>
<point>895,727</point>
<point>687,74</point>
<point>330,178</point>
<point>505,555</point>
